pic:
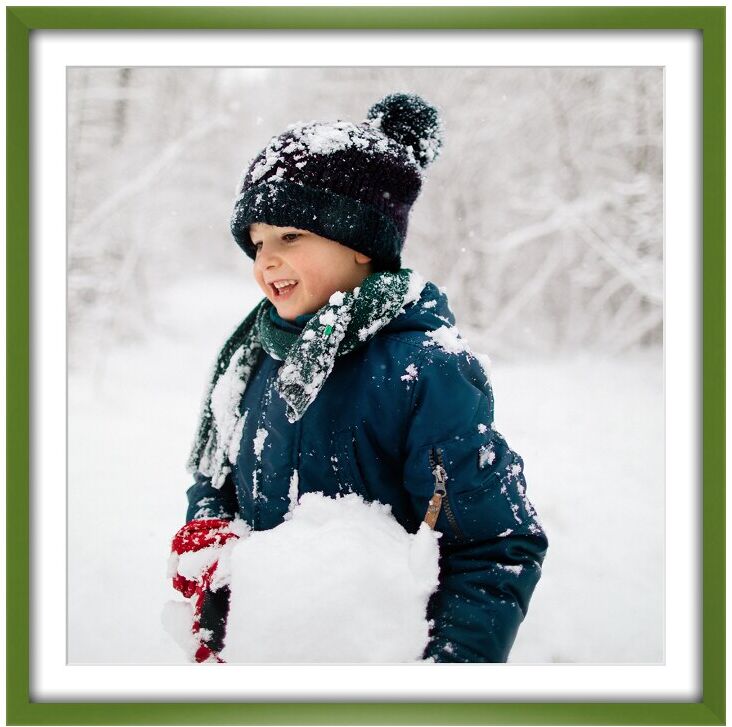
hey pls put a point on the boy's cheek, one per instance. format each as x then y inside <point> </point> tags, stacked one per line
<point>263,286</point>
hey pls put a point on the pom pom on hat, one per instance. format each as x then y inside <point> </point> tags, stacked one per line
<point>409,120</point>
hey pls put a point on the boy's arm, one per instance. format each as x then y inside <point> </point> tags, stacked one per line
<point>206,501</point>
<point>492,545</point>
<point>480,603</point>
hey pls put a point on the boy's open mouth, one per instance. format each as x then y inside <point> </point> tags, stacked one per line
<point>283,288</point>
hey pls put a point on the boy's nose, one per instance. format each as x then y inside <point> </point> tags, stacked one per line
<point>265,259</point>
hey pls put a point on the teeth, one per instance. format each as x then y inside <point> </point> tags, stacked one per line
<point>283,283</point>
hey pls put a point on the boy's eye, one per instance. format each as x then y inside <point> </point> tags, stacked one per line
<point>287,237</point>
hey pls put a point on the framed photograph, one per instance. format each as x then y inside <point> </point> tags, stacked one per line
<point>574,216</point>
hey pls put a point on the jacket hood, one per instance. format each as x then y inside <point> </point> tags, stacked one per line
<point>429,313</point>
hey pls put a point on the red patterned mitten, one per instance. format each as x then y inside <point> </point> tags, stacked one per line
<point>194,559</point>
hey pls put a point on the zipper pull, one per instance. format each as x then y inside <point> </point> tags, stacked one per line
<point>435,503</point>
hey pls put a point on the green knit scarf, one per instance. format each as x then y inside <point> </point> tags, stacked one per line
<point>348,320</point>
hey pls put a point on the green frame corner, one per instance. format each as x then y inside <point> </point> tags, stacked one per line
<point>21,21</point>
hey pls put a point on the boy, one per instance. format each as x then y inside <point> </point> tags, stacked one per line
<point>349,376</point>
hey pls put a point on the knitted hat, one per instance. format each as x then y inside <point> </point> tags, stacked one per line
<point>352,183</point>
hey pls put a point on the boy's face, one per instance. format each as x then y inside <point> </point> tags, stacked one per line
<point>318,266</point>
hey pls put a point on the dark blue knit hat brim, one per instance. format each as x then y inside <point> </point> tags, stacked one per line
<point>352,223</point>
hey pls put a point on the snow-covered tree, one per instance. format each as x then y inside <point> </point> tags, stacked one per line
<point>542,217</point>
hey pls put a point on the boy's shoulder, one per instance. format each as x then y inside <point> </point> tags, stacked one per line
<point>428,326</point>
<point>443,352</point>
<point>430,312</point>
<point>420,355</point>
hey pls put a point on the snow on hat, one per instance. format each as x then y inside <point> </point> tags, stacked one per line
<point>353,183</point>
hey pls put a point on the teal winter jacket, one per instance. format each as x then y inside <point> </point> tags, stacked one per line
<point>386,413</point>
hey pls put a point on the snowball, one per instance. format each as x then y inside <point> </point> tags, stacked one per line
<point>339,581</point>
<point>293,491</point>
<point>222,574</point>
<point>177,619</point>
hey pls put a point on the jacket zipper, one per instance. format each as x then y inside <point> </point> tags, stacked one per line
<point>440,494</point>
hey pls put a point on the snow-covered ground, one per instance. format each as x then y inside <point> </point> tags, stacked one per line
<point>590,431</point>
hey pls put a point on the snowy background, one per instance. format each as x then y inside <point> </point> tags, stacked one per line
<point>542,218</point>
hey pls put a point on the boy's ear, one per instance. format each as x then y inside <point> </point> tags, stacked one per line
<point>361,258</point>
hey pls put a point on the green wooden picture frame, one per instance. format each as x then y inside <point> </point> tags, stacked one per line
<point>22,21</point>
